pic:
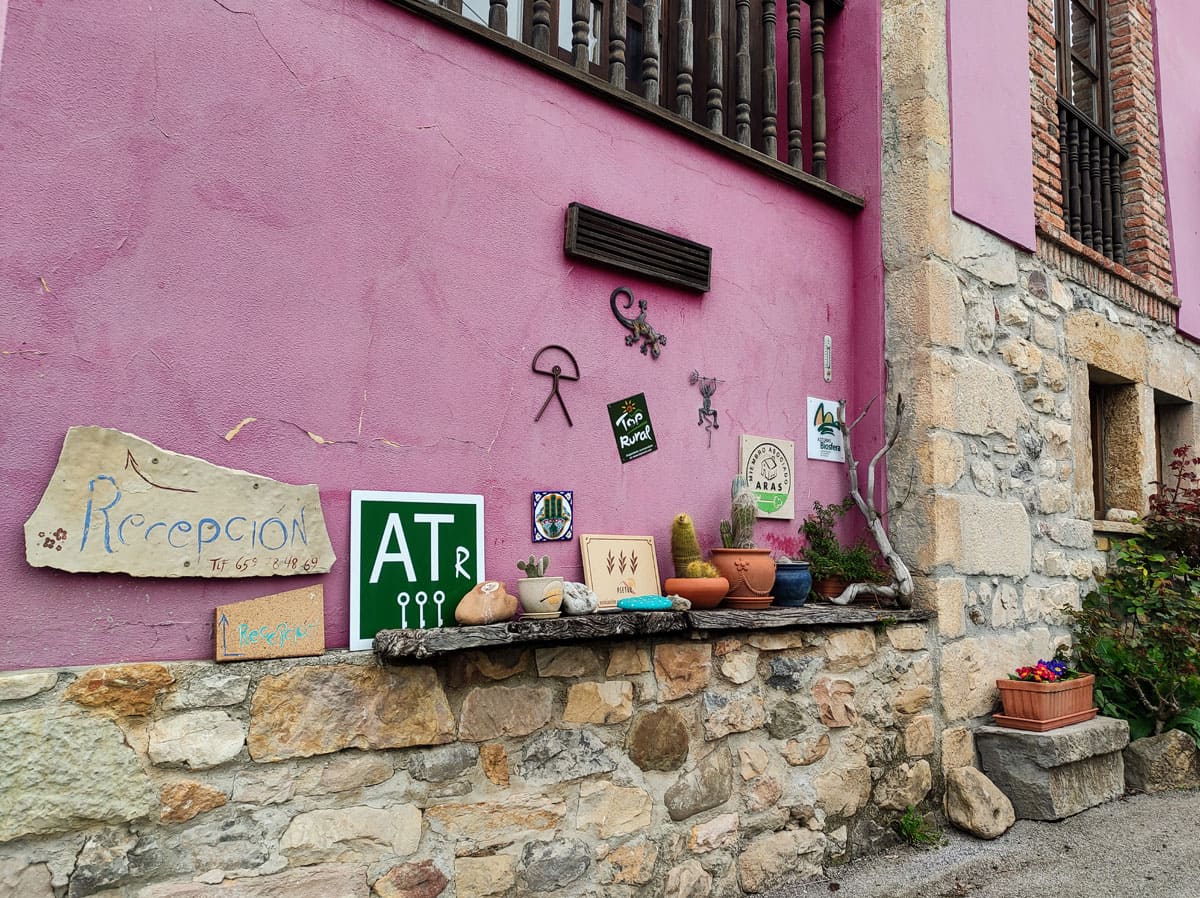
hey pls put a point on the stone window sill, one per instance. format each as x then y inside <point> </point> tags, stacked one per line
<point>1117,528</point>
<point>404,645</point>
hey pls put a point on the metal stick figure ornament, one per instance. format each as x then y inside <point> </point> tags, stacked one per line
<point>555,372</point>
<point>708,414</point>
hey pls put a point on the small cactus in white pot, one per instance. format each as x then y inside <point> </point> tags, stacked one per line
<point>540,595</point>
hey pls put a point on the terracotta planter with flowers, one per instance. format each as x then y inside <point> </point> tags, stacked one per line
<point>1040,703</point>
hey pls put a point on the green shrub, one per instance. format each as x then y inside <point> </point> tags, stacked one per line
<point>825,554</point>
<point>1139,632</point>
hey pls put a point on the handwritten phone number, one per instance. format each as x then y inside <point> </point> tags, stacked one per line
<point>252,564</point>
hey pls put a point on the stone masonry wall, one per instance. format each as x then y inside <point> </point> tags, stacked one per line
<point>675,768</point>
<point>994,349</point>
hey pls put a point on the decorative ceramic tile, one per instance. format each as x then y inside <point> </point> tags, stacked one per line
<point>553,516</point>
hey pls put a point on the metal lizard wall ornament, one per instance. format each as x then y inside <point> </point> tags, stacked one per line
<point>639,328</point>
<point>708,386</point>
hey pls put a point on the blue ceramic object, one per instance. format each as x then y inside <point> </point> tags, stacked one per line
<point>645,603</point>
<point>793,581</point>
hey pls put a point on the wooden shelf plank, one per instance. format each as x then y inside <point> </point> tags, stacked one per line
<point>398,645</point>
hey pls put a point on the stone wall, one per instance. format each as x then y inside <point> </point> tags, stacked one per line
<point>675,767</point>
<point>996,350</point>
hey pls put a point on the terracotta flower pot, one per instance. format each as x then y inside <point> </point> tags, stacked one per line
<point>703,592</point>
<point>750,572</point>
<point>829,587</point>
<point>1045,706</point>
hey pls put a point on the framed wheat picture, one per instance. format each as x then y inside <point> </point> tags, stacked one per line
<point>619,567</point>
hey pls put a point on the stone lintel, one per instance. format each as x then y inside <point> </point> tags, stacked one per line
<point>1097,736</point>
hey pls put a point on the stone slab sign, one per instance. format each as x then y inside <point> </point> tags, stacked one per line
<point>119,504</point>
<point>285,625</point>
<point>1052,775</point>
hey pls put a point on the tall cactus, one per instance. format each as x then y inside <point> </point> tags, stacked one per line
<point>738,531</point>
<point>685,548</point>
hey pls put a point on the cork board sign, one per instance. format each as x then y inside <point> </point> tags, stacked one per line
<point>119,504</point>
<point>285,625</point>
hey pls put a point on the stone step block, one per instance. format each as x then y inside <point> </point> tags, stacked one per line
<point>1052,775</point>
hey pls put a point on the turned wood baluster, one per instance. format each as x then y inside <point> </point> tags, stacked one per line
<point>1118,212</point>
<point>683,80</point>
<point>541,25</point>
<point>770,80</point>
<point>817,18</point>
<point>498,16</point>
<point>1085,183</point>
<point>795,109</point>
<point>650,49</point>
<point>716,70</point>
<point>1097,207</point>
<point>616,45</point>
<point>1064,166</point>
<point>579,33</point>
<point>1106,154</point>
<point>1074,199</point>
<point>742,71</point>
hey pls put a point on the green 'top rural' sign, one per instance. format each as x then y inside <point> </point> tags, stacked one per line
<point>632,428</point>
<point>413,556</point>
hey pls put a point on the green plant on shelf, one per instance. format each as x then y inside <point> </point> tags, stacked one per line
<point>828,557</point>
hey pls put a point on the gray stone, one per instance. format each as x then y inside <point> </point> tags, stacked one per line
<point>688,880</point>
<point>774,857</point>
<point>550,866</point>
<point>974,804</point>
<point>707,785</point>
<point>792,674</point>
<point>63,769</point>
<point>15,686</point>
<point>216,688</point>
<point>445,762</point>
<point>491,712</point>
<point>357,834</point>
<point>1051,775</point>
<point>219,507</point>
<point>788,718</point>
<point>658,740</point>
<point>906,785</point>
<point>733,713</point>
<point>196,740</point>
<point>323,881</point>
<point>102,862</point>
<point>1167,761</point>
<point>23,880</point>
<point>556,756</point>
<point>230,842</point>
<point>578,598</point>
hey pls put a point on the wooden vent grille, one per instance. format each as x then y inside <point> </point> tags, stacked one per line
<point>609,240</point>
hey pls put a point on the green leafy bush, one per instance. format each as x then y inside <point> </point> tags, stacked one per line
<point>1139,633</point>
<point>825,554</point>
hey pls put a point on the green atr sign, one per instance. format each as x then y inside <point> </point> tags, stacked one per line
<point>413,556</point>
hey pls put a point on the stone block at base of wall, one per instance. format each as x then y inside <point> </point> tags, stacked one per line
<point>1167,761</point>
<point>1052,775</point>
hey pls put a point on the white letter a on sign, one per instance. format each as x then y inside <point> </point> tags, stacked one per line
<point>383,556</point>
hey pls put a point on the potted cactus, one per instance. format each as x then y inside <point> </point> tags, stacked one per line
<point>749,569</point>
<point>696,580</point>
<point>541,596</point>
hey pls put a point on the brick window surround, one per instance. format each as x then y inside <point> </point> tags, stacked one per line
<point>1134,125</point>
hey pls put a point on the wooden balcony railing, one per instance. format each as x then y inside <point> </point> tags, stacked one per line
<point>1092,164</point>
<point>709,62</point>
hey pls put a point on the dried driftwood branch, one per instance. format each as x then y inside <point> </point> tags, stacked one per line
<point>901,587</point>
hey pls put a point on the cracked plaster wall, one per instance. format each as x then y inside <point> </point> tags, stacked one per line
<point>344,223</point>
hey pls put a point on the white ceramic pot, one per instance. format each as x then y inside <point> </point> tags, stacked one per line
<point>541,595</point>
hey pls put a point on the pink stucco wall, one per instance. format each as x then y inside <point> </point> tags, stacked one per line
<point>335,217</point>
<point>991,144</point>
<point>1179,114</point>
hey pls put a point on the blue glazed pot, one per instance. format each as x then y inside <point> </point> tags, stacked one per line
<point>793,580</point>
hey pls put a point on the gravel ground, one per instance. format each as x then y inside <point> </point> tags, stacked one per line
<point>1146,846</point>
